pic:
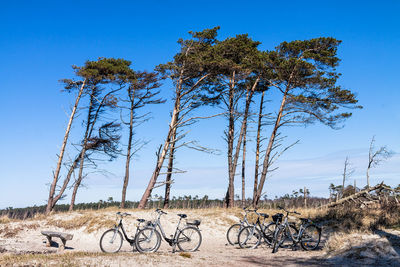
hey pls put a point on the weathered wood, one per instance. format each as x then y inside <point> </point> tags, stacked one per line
<point>356,195</point>
<point>63,237</point>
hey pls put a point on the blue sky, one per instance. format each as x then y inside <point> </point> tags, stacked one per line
<point>40,40</point>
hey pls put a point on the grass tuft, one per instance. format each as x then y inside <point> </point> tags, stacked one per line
<point>185,255</point>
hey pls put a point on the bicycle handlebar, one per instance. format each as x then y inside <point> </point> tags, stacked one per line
<point>294,212</point>
<point>159,211</point>
<point>249,210</point>
<point>123,214</point>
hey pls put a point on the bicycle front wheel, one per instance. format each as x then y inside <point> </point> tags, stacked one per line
<point>233,233</point>
<point>189,239</point>
<point>279,238</point>
<point>148,240</point>
<point>311,237</point>
<point>249,237</point>
<point>111,241</point>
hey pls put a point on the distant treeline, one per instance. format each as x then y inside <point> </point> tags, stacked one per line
<point>186,202</point>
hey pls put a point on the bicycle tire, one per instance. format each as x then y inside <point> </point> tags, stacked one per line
<point>269,231</point>
<point>186,235</point>
<point>310,237</point>
<point>252,234</point>
<point>232,234</point>
<point>279,238</point>
<point>146,235</point>
<point>294,231</point>
<point>112,236</point>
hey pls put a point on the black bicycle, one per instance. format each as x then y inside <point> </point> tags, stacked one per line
<point>308,235</point>
<point>252,235</point>
<point>111,240</point>
<point>187,238</point>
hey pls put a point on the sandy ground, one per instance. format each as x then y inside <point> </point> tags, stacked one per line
<point>21,243</point>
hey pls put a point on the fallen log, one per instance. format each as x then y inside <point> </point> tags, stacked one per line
<point>355,195</point>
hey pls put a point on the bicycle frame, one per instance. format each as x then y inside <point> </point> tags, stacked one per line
<point>121,226</point>
<point>245,221</point>
<point>258,223</point>
<point>286,225</point>
<point>172,240</point>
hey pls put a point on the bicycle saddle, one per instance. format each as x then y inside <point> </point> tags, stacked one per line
<point>141,220</point>
<point>264,215</point>
<point>182,215</point>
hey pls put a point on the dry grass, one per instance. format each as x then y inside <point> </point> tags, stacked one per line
<point>65,259</point>
<point>89,221</point>
<point>185,255</point>
<point>338,241</point>
<point>4,220</point>
<point>9,232</point>
<point>350,218</point>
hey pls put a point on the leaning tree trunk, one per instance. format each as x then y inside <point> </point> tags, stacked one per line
<point>258,141</point>
<point>66,182</point>
<point>88,131</point>
<point>172,129</point>
<point>128,155</point>
<point>269,149</point>
<point>78,182</point>
<point>169,171</point>
<point>91,122</point>
<point>233,159</point>
<point>51,202</point>
<point>162,155</point>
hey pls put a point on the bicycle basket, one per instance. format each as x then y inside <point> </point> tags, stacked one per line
<point>277,218</point>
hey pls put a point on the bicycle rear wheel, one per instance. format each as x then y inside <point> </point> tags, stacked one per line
<point>269,232</point>
<point>148,240</point>
<point>111,241</point>
<point>311,237</point>
<point>233,233</point>
<point>189,239</point>
<point>249,237</point>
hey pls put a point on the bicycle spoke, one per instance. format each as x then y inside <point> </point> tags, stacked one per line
<point>189,239</point>
<point>111,241</point>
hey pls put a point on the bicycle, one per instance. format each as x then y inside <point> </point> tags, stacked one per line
<point>309,234</point>
<point>111,240</point>
<point>233,231</point>
<point>188,238</point>
<point>251,236</point>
